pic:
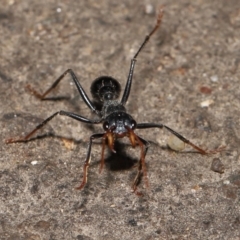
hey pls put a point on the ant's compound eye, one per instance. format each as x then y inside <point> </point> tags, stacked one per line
<point>133,124</point>
<point>105,125</point>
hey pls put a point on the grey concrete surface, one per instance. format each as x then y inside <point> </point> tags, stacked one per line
<point>193,60</point>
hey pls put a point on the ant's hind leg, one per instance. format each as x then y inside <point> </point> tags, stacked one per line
<point>57,81</point>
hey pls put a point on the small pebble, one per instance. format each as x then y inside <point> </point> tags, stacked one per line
<point>206,103</point>
<point>175,143</point>
<point>34,162</point>
<point>217,165</point>
<point>214,78</point>
<point>149,9</point>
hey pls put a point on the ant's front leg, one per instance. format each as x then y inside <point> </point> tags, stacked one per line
<point>88,159</point>
<point>155,125</point>
<point>142,170</point>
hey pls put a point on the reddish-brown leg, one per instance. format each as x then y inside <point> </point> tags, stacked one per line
<point>142,170</point>
<point>88,158</point>
<point>102,155</point>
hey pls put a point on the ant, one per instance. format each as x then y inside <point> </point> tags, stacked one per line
<point>117,123</point>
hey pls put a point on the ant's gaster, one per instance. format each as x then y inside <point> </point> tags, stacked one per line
<point>117,123</point>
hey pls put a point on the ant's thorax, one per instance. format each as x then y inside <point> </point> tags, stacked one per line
<point>111,106</point>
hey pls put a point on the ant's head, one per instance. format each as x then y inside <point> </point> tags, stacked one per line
<point>105,88</point>
<point>119,123</point>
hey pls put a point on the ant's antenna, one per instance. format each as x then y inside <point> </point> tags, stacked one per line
<point>134,59</point>
<point>159,20</point>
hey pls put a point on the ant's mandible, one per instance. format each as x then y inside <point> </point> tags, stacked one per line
<point>117,123</point>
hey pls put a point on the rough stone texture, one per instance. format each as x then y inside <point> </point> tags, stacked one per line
<point>192,60</point>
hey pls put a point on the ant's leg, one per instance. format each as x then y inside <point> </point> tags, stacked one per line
<point>78,85</point>
<point>103,150</point>
<point>142,170</point>
<point>155,125</point>
<point>133,61</point>
<point>69,114</point>
<point>88,158</point>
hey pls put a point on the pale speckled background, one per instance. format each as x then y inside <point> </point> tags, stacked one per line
<point>198,45</point>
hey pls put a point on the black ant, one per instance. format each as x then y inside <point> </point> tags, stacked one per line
<point>117,123</point>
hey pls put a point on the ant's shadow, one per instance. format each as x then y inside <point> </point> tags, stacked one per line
<point>120,160</point>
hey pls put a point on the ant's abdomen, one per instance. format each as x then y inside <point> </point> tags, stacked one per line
<point>105,88</point>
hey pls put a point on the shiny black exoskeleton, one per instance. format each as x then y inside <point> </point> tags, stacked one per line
<point>117,123</point>
<point>106,90</point>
